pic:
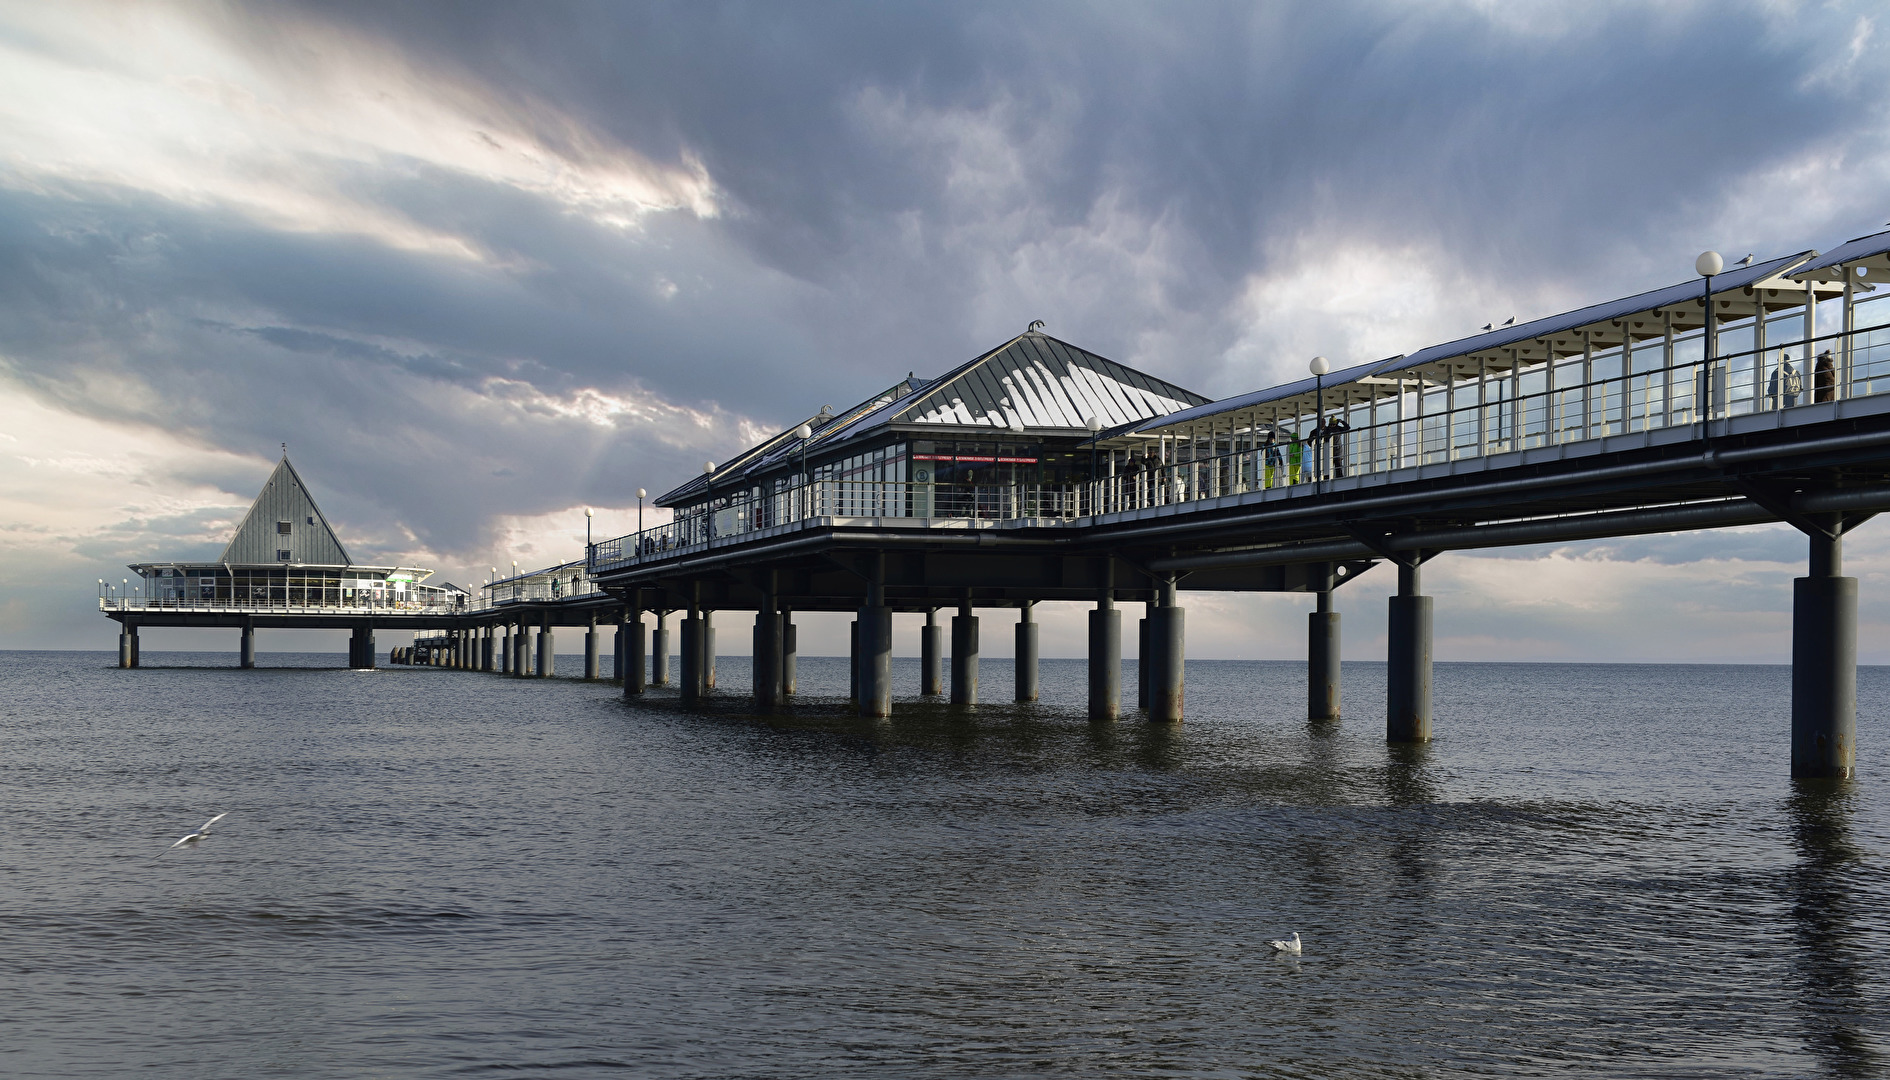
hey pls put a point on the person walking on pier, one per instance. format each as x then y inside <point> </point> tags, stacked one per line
<point>1786,383</point>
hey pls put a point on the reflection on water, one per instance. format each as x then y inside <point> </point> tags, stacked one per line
<point>1593,870</point>
<point>1827,891</point>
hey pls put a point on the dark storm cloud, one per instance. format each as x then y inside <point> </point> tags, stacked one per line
<point>899,187</point>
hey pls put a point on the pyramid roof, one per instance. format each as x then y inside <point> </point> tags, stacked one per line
<point>285,500</point>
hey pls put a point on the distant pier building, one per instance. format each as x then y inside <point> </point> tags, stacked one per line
<point>283,567</point>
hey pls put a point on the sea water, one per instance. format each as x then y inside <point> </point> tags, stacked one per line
<point>1598,870</point>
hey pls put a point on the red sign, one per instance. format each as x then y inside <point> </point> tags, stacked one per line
<point>976,459</point>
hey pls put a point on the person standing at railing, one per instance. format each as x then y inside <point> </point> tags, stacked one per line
<point>1786,383</point>
<point>1274,462</point>
<point>1824,378</point>
<point>1333,432</point>
<point>1295,456</point>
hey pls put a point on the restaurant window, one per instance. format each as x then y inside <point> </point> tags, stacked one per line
<point>282,528</point>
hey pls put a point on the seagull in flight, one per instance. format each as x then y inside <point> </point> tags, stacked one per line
<point>1291,948</point>
<point>191,840</point>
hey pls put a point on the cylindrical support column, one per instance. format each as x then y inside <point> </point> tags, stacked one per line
<point>505,652</point>
<point>964,656</point>
<point>1105,662</point>
<point>790,655</point>
<point>853,662</point>
<point>708,650</point>
<point>693,686</point>
<point>135,659</point>
<point>1408,662</point>
<point>547,659</point>
<point>1322,660</point>
<point>931,655</point>
<point>1824,666</point>
<point>659,651</point>
<point>1142,659</point>
<point>591,660</point>
<point>367,647</point>
<point>360,648</point>
<point>1026,655</point>
<point>875,629</point>
<point>1167,640</point>
<point>521,652</point>
<point>246,650</point>
<point>635,671</point>
<point>767,666</point>
<point>485,648</point>
<point>124,646</point>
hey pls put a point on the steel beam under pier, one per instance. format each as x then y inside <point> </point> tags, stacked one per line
<point>964,655</point>
<point>246,650</point>
<point>1408,659</point>
<point>1824,665</point>
<point>931,655</point>
<point>1026,653</point>
<point>1167,640</point>
<point>1322,660</point>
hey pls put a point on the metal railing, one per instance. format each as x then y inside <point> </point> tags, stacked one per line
<point>139,602</point>
<point>827,499</point>
<point>1517,410</point>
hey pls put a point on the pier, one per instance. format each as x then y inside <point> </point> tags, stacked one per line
<point>1040,472</point>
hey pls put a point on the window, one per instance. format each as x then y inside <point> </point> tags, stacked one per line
<point>282,527</point>
<point>311,519</point>
<point>284,555</point>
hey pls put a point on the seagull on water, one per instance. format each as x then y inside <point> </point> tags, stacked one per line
<point>191,840</point>
<point>1290,947</point>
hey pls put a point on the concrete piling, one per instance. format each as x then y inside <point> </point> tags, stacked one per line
<point>1322,660</point>
<point>1025,653</point>
<point>708,650</point>
<point>547,657</point>
<point>694,686</point>
<point>591,669</point>
<point>931,655</point>
<point>790,654</point>
<point>1105,660</point>
<point>246,650</point>
<point>1167,641</point>
<point>964,655</point>
<point>659,651</point>
<point>1141,657</point>
<point>1824,665</point>
<point>1408,659</point>
<point>767,666</point>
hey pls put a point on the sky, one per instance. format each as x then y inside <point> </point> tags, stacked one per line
<point>481,266</point>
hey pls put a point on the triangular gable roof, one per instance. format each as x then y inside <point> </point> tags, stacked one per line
<point>1042,382</point>
<point>259,539</point>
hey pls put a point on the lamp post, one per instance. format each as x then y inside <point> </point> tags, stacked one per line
<point>587,532</point>
<point>804,433</point>
<point>1094,424</point>
<point>1708,264</point>
<point>640,494</point>
<point>1319,367</point>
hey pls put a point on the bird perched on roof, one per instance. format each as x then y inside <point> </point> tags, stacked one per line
<point>1747,261</point>
<point>1489,326</point>
<point>1511,321</point>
